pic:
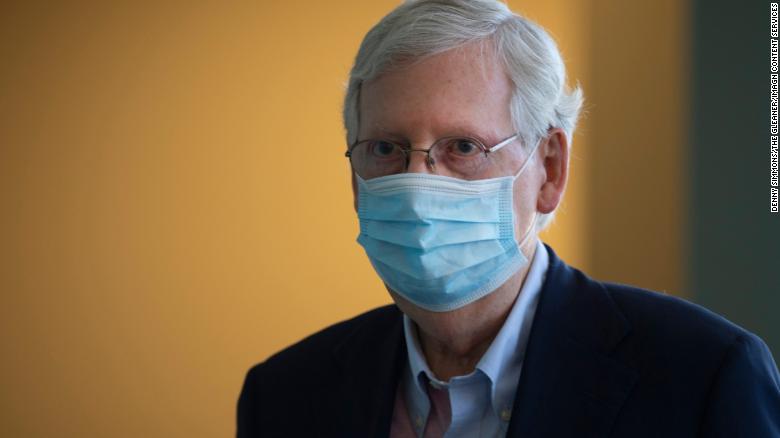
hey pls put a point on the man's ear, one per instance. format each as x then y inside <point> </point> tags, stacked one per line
<point>554,153</point>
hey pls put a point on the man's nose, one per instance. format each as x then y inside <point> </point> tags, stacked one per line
<point>419,162</point>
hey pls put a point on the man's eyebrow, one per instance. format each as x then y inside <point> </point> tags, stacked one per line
<point>463,130</point>
<point>379,132</point>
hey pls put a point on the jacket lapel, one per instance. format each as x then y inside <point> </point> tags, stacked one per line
<point>570,386</point>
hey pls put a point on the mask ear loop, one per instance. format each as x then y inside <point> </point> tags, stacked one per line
<point>529,159</point>
<point>529,232</point>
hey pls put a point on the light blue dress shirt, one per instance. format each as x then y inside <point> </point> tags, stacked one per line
<point>480,402</point>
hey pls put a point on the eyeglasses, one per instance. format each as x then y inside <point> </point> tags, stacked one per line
<point>459,157</point>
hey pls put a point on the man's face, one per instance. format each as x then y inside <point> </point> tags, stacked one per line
<point>462,92</point>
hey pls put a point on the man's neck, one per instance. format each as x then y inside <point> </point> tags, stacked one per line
<point>450,359</point>
<point>453,346</point>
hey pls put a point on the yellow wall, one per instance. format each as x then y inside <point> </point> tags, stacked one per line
<point>639,119</point>
<point>176,205</point>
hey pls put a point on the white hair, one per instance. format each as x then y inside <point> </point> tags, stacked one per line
<point>418,29</point>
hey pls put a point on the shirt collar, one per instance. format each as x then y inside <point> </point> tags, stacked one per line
<point>502,361</point>
<point>504,358</point>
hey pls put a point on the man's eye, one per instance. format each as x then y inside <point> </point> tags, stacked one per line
<point>464,147</point>
<point>382,148</point>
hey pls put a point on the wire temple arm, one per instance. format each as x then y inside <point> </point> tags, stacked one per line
<point>503,143</point>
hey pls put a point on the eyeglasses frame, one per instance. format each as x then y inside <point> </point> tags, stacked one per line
<point>428,160</point>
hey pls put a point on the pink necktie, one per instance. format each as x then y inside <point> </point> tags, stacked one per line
<point>405,425</point>
<point>440,415</point>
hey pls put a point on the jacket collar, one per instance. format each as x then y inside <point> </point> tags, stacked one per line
<point>570,386</point>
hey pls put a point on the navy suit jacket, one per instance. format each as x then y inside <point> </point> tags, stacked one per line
<point>603,360</point>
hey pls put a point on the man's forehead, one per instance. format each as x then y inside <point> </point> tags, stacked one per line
<point>477,60</point>
<point>465,87</point>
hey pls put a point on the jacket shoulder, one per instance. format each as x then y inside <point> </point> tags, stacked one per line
<point>315,351</point>
<point>672,339</point>
<point>654,314</point>
<point>279,391</point>
<point>730,380</point>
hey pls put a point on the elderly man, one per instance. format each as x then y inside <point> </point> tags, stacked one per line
<point>459,126</point>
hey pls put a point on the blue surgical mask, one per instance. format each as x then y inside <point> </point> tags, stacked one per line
<point>440,242</point>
